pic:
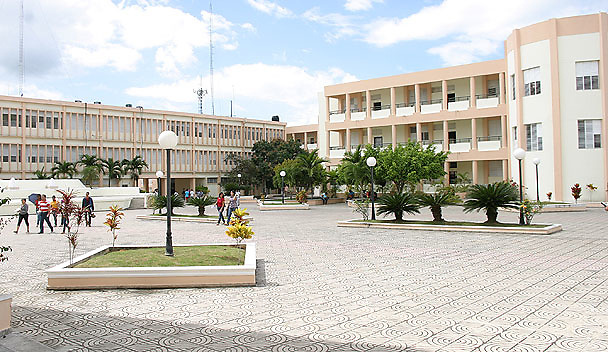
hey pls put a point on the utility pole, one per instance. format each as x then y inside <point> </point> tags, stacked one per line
<point>211,57</point>
<point>21,60</point>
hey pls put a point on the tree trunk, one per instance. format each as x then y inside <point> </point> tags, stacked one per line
<point>201,211</point>
<point>437,216</point>
<point>399,216</point>
<point>492,214</point>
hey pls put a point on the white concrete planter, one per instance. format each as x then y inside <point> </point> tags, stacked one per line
<point>458,105</point>
<point>5,314</point>
<point>546,230</point>
<point>266,207</point>
<point>556,208</point>
<point>209,220</point>
<point>63,277</point>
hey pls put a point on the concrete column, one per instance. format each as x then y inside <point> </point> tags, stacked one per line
<point>472,88</point>
<point>361,137</point>
<point>446,168</point>
<point>394,136</point>
<point>193,183</point>
<point>505,169</point>
<point>475,168</point>
<point>501,87</point>
<point>474,134</point>
<point>146,185</point>
<point>444,95</point>
<point>327,144</point>
<point>503,131</point>
<point>393,100</point>
<point>327,109</point>
<point>406,95</point>
<point>418,132</point>
<point>370,137</point>
<point>347,146</point>
<point>417,96</point>
<point>347,103</point>
<point>429,93</point>
<point>368,104</point>
<point>446,143</point>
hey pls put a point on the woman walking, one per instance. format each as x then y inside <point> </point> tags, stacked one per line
<point>233,203</point>
<point>219,203</point>
<point>23,216</point>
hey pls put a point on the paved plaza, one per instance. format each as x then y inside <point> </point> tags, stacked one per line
<point>324,288</point>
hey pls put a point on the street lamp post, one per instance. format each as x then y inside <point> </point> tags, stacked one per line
<point>519,154</point>
<point>168,141</point>
<point>159,175</point>
<point>536,162</point>
<point>282,173</point>
<point>371,162</point>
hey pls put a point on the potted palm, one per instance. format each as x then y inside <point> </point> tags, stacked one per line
<point>490,198</point>
<point>201,203</point>
<point>397,204</point>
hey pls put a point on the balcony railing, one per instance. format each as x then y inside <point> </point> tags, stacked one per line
<point>430,102</point>
<point>489,138</point>
<point>381,107</point>
<point>460,140</point>
<point>404,105</point>
<point>486,96</point>
<point>335,112</point>
<point>336,148</point>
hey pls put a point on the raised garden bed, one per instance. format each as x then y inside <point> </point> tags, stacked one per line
<point>319,201</point>
<point>280,206</point>
<point>556,207</point>
<point>5,314</point>
<point>210,219</point>
<point>147,267</point>
<point>535,229</point>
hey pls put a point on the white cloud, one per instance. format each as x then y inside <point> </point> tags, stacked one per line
<point>342,25</point>
<point>476,27</point>
<point>360,5</point>
<point>270,8</point>
<point>257,85</point>
<point>248,27</point>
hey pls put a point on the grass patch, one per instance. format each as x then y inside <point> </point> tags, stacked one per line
<point>449,223</point>
<point>155,257</point>
<point>188,216</point>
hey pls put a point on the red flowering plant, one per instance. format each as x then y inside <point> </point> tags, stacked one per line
<point>72,216</point>
<point>113,218</point>
<point>549,194</point>
<point>576,192</point>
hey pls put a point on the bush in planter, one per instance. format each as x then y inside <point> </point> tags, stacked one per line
<point>301,197</point>
<point>201,203</point>
<point>435,201</point>
<point>490,198</point>
<point>576,192</point>
<point>397,204</point>
<point>530,209</point>
<point>239,228</point>
<point>362,207</point>
<point>159,202</point>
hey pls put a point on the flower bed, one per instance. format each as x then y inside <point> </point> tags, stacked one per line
<point>72,277</point>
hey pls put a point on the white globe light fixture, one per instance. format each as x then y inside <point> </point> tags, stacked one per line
<point>159,174</point>
<point>371,162</point>
<point>282,173</point>
<point>168,141</point>
<point>519,154</point>
<point>536,162</point>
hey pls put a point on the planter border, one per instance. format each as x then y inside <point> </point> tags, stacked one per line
<point>546,230</point>
<point>62,277</point>
<point>5,314</point>
<point>266,207</point>
<point>208,220</point>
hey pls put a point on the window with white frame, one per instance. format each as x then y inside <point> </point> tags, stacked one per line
<point>532,81</point>
<point>515,135</point>
<point>587,76</point>
<point>589,134</point>
<point>534,137</point>
<point>513,87</point>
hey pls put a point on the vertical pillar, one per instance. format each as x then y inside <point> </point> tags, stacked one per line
<point>147,185</point>
<point>327,109</point>
<point>474,134</point>
<point>418,132</point>
<point>475,167</point>
<point>444,95</point>
<point>347,107</point>
<point>406,95</point>
<point>446,169</point>
<point>306,140</point>
<point>347,145</point>
<point>505,169</point>
<point>393,100</point>
<point>327,146</point>
<point>394,136</point>
<point>370,137</point>
<point>429,93</point>
<point>504,140</point>
<point>368,105</point>
<point>603,71</point>
<point>361,137</point>
<point>446,142</point>
<point>193,183</point>
<point>22,155</point>
<point>417,96</point>
<point>472,93</point>
<point>501,87</point>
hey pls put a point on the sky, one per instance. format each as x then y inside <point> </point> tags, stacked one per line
<point>271,57</point>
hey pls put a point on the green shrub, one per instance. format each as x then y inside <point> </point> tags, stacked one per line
<point>397,204</point>
<point>301,197</point>
<point>201,203</point>
<point>435,201</point>
<point>159,202</point>
<point>490,198</point>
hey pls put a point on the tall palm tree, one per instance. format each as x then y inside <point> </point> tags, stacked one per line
<point>312,168</point>
<point>134,167</point>
<point>112,168</point>
<point>353,168</point>
<point>63,168</point>
<point>91,167</point>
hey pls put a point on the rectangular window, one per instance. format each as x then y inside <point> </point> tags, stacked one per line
<point>589,134</point>
<point>515,135</point>
<point>587,75</point>
<point>13,117</point>
<point>534,137</point>
<point>532,81</point>
<point>56,120</point>
<point>513,87</point>
<point>5,117</point>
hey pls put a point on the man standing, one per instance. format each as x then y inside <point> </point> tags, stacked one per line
<point>44,207</point>
<point>88,207</point>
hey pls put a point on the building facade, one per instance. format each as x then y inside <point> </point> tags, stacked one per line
<point>547,96</point>
<point>36,133</point>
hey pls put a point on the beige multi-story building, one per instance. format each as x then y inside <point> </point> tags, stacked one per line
<point>547,96</point>
<point>36,133</point>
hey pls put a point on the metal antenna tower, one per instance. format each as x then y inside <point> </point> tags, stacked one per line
<point>200,92</point>
<point>21,68</point>
<point>211,57</point>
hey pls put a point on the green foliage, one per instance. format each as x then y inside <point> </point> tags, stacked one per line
<point>312,170</point>
<point>112,168</point>
<point>203,189</point>
<point>576,192</point>
<point>91,167</point>
<point>293,174</point>
<point>61,169</point>
<point>397,204</point>
<point>410,164</point>
<point>530,209</point>
<point>41,175</point>
<point>435,201</point>
<point>353,170</point>
<point>362,207</point>
<point>89,173</point>
<point>201,203</point>
<point>463,182</point>
<point>301,197</point>
<point>133,167</point>
<point>230,187</point>
<point>490,198</point>
<point>159,202</point>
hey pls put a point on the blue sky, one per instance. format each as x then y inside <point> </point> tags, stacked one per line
<point>271,56</point>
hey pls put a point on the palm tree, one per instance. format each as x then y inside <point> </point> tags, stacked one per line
<point>41,175</point>
<point>201,203</point>
<point>91,167</point>
<point>113,168</point>
<point>159,202</point>
<point>398,204</point>
<point>490,198</point>
<point>134,167</point>
<point>63,168</point>
<point>435,201</point>
<point>353,169</point>
<point>312,168</point>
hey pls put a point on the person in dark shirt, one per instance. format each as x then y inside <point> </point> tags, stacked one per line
<point>88,207</point>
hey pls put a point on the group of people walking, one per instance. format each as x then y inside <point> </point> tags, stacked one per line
<point>45,210</point>
<point>229,206</point>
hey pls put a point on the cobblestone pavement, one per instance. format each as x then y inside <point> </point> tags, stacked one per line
<point>324,288</point>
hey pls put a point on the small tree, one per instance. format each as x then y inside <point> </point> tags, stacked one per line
<point>113,218</point>
<point>549,195</point>
<point>301,197</point>
<point>159,202</point>
<point>397,204</point>
<point>530,209</point>
<point>73,215</point>
<point>576,192</point>
<point>41,174</point>
<point>239,228</point>
<point>201,203</point>
<point>362,207</point>
<point>490,198</point>
<point>435,201</point>
<point>591,189</point>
